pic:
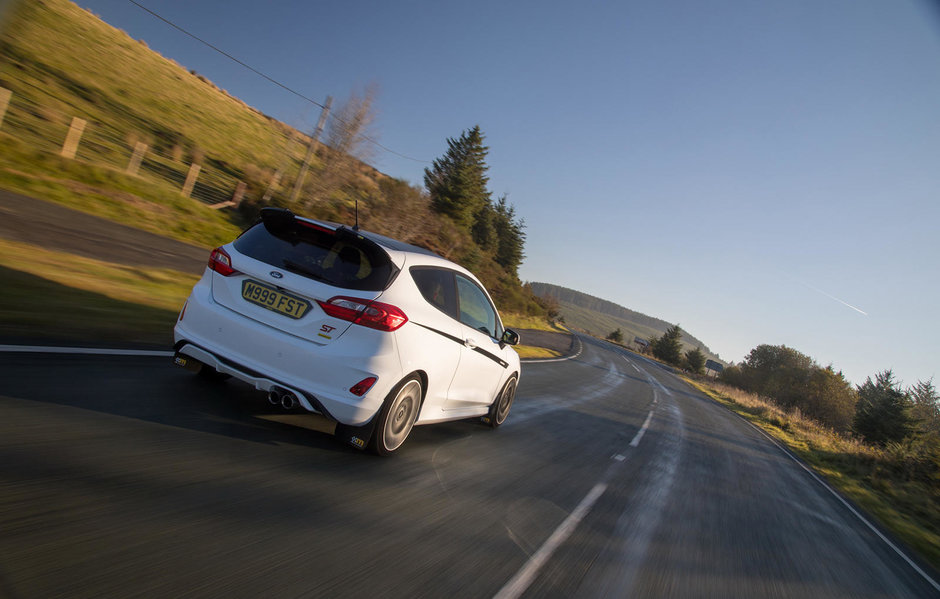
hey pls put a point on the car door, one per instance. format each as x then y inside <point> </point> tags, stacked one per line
<point>482,366</point>
<point>438,335</point>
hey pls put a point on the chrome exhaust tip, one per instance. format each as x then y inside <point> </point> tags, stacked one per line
<point>288,401</point>
<point>274,397</point>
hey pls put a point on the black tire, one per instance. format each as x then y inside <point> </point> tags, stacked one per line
<point>397,416</point>
<point>499,411</point>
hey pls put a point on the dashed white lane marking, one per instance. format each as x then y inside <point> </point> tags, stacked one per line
<point>524,577</point>
<point>642,431</point>
<point>94,351</point>
<point>519,583</point>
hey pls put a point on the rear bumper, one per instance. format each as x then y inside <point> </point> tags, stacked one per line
<point>265,358</point>
<point>186,350</point>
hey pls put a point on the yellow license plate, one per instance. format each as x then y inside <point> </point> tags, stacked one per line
<point>274,299</point>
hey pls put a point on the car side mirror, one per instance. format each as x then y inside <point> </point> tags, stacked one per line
<point>510,337</point>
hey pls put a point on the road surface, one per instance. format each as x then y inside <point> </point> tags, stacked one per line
<point>124,476</point>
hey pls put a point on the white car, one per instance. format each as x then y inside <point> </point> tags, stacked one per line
<point>372,333</point>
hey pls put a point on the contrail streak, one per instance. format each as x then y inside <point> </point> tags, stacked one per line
<point>832,297</point>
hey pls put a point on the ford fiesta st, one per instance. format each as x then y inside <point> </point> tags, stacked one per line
<point>372,333</point>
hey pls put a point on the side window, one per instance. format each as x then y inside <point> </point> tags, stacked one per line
<point>476,311</point>
<point>437,287</point>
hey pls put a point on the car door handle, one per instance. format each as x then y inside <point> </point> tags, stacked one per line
<point>470,343</point>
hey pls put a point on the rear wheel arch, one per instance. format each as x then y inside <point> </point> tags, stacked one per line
<point>424,384</point>
<point>400,410</point>
<point>423,377</point>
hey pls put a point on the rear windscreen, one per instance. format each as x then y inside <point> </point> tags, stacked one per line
<point>338,258</point>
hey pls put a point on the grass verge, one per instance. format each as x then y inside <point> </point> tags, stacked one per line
<point>56,295</point>
<point>881,481</point>
<point>530,352</point>
<point>524,321</point>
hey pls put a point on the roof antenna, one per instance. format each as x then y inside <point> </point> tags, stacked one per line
<point>356,226</point>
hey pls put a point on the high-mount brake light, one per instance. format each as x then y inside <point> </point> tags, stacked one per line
<point>375,315</point>
<point>221,262</point>
<point>314,226</point>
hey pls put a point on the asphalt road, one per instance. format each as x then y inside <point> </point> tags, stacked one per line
<point>57,227</point>
<point>126,477</point>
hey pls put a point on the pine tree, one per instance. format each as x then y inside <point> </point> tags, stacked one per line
<point>695,360</point>
<point>668,347</point>
<point>882,413</point>
<point>926,408</point>
<point>483,231</point>
<point>510,236</point>
<point>457,181</point>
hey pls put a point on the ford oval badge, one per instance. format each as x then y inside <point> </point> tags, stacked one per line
<point>276,274</point>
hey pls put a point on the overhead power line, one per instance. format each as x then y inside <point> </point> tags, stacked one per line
<point>271,79</point>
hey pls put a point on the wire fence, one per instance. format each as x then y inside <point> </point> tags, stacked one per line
<point>35,125</point>
<point>208,180</point>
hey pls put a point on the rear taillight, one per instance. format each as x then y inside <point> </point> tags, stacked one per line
<point>221,262</point>
<point>375,315</point>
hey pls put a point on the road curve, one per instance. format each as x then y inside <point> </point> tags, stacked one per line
<point>125,476</point>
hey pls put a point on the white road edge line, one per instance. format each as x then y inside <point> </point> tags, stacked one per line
<point>826,486</point>
<point>524,577</point>
<point>842,500</point>
<point>44,349</point>
<point>544,360</point>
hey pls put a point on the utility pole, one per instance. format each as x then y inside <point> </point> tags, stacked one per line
<point>310,150</point>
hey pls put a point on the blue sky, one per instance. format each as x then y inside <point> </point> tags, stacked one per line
<point>758,172</point>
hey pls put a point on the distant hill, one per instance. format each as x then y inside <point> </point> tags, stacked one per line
<point>600,317</point>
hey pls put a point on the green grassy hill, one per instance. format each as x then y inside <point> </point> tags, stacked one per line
<point>66,62</point>
<point>600,317</point>
<point>61,61</point>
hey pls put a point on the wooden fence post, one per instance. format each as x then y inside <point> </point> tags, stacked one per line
<point>5,96</point>
<point>139,150</point>
<point>190,180</point>
<point>239,193</point>
<point>70,147</point>
<point>236,197</point>
<point>275,180</point>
